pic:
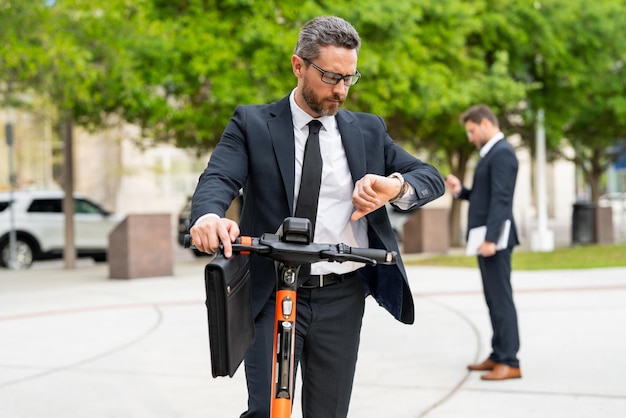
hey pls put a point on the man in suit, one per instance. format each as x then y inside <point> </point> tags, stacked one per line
<point>262,151</point>
<point>491,204</point>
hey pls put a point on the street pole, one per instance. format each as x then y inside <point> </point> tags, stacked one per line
<point>542,240</point>
<point>12,236</point>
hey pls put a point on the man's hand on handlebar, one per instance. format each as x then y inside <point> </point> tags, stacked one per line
<point>208,234</point>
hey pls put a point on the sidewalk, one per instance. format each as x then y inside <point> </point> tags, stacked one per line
<point>76,344</point>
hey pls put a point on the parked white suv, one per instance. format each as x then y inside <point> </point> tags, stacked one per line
<point>39,223</point>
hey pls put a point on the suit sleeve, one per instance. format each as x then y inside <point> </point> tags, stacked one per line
<point>465,193</point>
<point>226,171</point>
<point>423,177</point>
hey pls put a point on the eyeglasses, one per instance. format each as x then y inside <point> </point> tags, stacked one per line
<point>329,77</point>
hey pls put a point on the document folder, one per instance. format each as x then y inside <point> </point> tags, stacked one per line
<point>229,309</point>
<point>477,235</point>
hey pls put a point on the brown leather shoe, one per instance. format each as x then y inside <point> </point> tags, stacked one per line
<point>486,365</point>
<point>502,372</point>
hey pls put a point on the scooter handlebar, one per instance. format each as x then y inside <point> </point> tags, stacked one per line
<point>381,256</point>
<point>272,247</point>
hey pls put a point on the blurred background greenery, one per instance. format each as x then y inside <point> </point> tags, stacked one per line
<point>176,69</point>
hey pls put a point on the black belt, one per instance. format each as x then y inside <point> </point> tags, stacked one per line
<point>324,280</point>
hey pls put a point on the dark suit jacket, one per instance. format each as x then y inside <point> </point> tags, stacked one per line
<point>491,196</point>
<point>257,152</point>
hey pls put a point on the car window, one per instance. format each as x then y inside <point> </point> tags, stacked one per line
<point>4,205</point>
<point>85,206</point>
<point>56,206</point>
<point>46,206</point>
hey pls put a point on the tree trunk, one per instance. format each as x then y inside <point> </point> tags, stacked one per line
<point>458,165</point>
<point>69,252</point>
<point>594,166</point>
<point>456,234</point>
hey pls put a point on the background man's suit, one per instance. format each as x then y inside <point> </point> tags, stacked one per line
<point>491,203</point>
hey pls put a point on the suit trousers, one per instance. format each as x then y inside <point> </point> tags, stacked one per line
<point>496,278</point>
<point>328,329</point>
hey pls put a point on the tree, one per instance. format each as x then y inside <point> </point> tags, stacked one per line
<point>177,68</point>
<point>431,61</point>
<point>216,55</point>
<point>21,54</point>
<point>575,56</point>
<point>561,56</point>
<point>597,101</point>
<point>66,53</point>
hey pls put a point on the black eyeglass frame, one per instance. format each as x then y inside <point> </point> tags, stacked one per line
<point>335,77</point>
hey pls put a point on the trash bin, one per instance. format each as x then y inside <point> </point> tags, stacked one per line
<point>583,223</point>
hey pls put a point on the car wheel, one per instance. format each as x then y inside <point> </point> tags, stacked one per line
<point>24,255</point>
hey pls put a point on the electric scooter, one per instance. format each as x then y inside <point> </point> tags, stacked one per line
<point>291,247</point>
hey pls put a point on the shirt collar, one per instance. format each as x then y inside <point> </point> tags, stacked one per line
<point>485,149</point>
<point>300,118</point>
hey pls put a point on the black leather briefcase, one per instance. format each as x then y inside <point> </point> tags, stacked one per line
<point>229,306</point>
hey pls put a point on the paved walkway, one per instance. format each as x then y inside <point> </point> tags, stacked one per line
<point>77,344</point>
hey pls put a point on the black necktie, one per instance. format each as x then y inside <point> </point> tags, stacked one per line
<point>311,175</point>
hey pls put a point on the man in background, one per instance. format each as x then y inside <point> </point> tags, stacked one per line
<point>491,205</point>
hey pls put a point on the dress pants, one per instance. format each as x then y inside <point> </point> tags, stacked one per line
<point>328,328</point>
<point>496,278</point>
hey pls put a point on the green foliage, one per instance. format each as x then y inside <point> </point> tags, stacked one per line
<point>588,89</point>
<point>177,68</point>
<point>218,55</point>
<point>21,54</point>
<point>75,55</point>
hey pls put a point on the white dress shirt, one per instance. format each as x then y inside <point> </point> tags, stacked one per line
<point>487,147</point>
<point>335,207</point>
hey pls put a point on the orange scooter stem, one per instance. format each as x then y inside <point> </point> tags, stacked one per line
<point>283,354</point>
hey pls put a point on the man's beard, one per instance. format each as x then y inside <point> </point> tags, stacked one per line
<point>316,104</point>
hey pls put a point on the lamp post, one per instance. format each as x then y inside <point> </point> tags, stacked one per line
<point>12,238</point>
<point>542,240</point>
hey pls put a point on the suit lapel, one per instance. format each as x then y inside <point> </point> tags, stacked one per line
<point>484,161</point>
<point>353,144</point>
<point>281,132</point>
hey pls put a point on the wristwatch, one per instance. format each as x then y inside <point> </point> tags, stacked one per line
<point>403,186</point>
